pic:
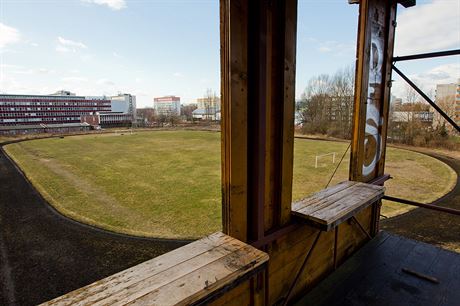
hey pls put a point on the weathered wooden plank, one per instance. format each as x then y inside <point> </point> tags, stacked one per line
<point>314,198</point>
<point>347,207</point>
<point>198,284</point>
<point>287,251</point>
<point>139,272</point>
<point>159,280</point>
<point>287,157</point>
<point>329,208</point>
<point>319,203</point>
<point>239,295</point>
<point>200,257</point>
<point>234,83</point>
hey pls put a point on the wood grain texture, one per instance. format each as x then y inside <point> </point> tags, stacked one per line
<point>234,83</point>
<point>332,206</point>
<point>187,275</point>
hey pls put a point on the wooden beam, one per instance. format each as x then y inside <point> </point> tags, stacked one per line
<point>372,88</point>
<point>234,88</point>
<point>258,97</point>
<point>376,30</point>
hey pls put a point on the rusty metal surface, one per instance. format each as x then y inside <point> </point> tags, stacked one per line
<point>380,180</point>
<point>428,206</point>
<point>426,55</point>
<point>427,99</point>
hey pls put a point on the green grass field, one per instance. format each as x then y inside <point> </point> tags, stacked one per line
<point>167,183</point>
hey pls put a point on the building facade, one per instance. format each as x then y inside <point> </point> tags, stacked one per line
<point>124,103</point>
<point>59,108</point>
<point>208,108</point>
<point>167,106</point>
<point>448,99</point>
<point>107,120</point>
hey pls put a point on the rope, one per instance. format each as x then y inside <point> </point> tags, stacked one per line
<point>338,165</point>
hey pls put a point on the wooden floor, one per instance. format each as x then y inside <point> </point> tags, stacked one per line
<point>374,276</point>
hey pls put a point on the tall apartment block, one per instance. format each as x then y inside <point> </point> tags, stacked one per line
<point>168,105</point>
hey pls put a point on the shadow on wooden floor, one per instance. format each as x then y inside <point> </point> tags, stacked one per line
<point>375,276</point>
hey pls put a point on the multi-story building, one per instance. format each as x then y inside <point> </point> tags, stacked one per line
<point>61,107</point>
<point>168,105</point>
<point>208,108</point>
<point>425,117</point>
<point>208,102</point>
<point>124,103</point>
<point>109,119</point>
<point>448,99</point>
<point>457,103</point>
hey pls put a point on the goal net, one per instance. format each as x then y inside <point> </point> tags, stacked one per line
<point>323,159</point>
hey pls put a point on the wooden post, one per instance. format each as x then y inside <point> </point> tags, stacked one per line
<point>258,44</point>
<point>376,29</point>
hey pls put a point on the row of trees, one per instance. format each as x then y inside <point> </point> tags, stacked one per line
<point>326,108</point>
<point>151,118</point>
<point>326,105</point>
<point>416,123</point>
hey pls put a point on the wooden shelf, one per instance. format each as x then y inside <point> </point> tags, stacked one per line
<point>192,274</point>
<point>334,205</point>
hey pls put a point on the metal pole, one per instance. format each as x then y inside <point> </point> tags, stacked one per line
<point>426,55</point>
<point>428,206</point>
<point>420,92</point>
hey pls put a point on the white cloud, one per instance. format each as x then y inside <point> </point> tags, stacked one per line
<point>336,48</point>
<point>75,79</point>
<point>8,35</point>
<point>67,45</point>
<point>105,82</point>
<point>178,74</point>
<point>324,49</point>
<point>62,49</point>
<point>30,71</point>
<point>112,4</point>
<point>428,27</point>
<point>427,80</point>
<point>8,66</point>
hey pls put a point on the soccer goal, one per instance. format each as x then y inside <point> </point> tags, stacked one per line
<point>327,155</point>
<point>123,132</point>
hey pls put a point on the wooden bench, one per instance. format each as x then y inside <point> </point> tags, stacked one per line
<point>194,274</point>
<point>334,205</point>
<point>330,207</point>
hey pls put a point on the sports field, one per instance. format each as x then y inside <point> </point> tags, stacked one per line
<point>167,183</point>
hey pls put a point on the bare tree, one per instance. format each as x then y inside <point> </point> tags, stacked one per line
<point>447,104</point>
<point>327,104</point>
<point>187,111</point>
<point>342,91</point>
<point>410,95</point>
<point>209,104</point>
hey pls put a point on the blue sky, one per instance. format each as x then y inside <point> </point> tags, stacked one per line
<point>152,48</point>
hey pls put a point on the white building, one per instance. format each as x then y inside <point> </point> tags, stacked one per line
<point>168,105</point>
<point>208,109</point>
<point>124,103</point>
<point>448,99</point>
